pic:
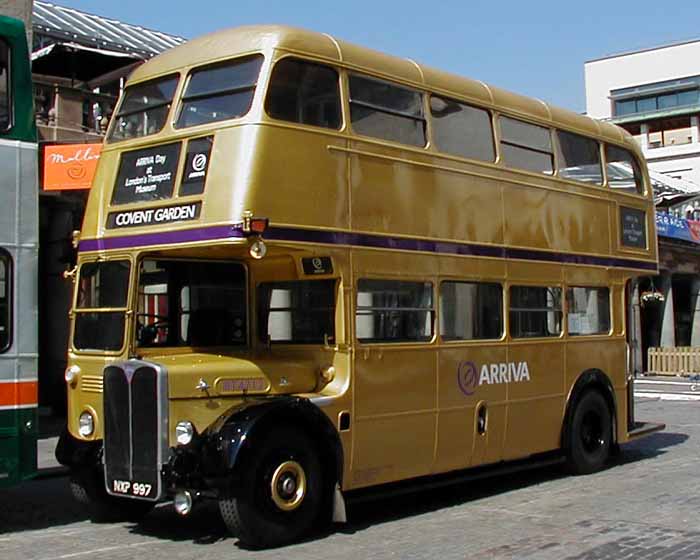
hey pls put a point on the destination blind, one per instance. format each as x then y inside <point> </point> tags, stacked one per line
<point>147,174</point>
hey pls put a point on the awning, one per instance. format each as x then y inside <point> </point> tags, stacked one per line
<point>79,62</point>
<point>66,46</point>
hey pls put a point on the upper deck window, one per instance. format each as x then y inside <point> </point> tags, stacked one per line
<point>387,111</point>
<point>5,107</point>
<point>624,173</point>
<point>579,158</point>
<point>526,146</point>
<point>461,129</point>
<point>143,110</point>
<point>220,92</point>
<point>304,93</point>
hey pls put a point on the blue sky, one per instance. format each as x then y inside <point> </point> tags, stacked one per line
<point>534,48</point>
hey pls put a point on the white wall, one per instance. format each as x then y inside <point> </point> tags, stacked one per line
<point>657,65</point>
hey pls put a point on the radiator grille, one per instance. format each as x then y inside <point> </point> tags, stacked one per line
<point>135,428</point>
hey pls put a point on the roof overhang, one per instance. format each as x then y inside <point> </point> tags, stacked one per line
<point>79,62</point>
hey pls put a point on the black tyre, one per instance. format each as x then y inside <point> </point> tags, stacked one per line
<point>589,437</point>
<point>280,495</point>
<point>87,487</point>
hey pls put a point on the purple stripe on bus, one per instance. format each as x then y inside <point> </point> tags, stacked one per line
<point>359,240</point>
<point>161,238</point>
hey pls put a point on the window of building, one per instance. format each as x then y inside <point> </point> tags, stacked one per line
<point>461,129</point>
<point>220,92</point>
<point>659,96</point>
<point>305,93</point>
<point>535,311</point>
<point>471,310</point>
<point>383,110</point>
<point>5,301</point>
<point>579,158</point>
<point>394,311</point>
<point>526,146</point>
<point>588,310</point>
<point>670,132</point>
<point>5,98</point>
<point>144,109</point>
<point>298,312</point>
<point>624,173</point>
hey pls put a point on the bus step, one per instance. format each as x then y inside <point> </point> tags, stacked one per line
<point>642,429</point>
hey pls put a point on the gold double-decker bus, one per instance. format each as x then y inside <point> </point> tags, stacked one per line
<point>308,268</point>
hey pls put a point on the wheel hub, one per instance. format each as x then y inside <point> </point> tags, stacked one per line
<point>288,486</point>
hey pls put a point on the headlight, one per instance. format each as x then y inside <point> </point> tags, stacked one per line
<point>71,374</point>
<point>87,424</point>
<point>184,431</point>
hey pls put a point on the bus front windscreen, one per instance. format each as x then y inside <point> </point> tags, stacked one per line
<point>101,306</point>
<point>143,110</point>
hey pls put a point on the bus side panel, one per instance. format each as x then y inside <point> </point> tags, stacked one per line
<point>536,396</point>
<point>459,443</point>
<point>297,174</point>
<point>605,353</point>
<point>405,198</point>
<point>395,416</point>
<point>555,222</point>
<point>18,364</point>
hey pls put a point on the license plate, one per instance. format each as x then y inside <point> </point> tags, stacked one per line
<point>129,488</point>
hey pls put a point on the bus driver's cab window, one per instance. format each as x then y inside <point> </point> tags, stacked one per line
<point>191,303</point>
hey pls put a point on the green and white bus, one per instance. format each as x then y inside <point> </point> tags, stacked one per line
<point>18,258</point>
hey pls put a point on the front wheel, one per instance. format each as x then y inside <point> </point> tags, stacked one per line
<point>87,487</point>
<point>589,434</point>
<point>280,495</point>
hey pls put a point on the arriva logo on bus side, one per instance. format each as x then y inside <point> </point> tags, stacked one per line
<point>470,377</point>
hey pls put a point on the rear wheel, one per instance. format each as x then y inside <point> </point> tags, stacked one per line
<point>589,434</point>
<point>280,495</point>
<point>88,488</point>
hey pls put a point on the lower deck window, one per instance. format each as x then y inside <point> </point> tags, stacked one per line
<point>5,301</point>
<point>535,311</point>
<point>471,310</point>
<point>588,310</point>
<point>394,311</point>
<point>297,312</point>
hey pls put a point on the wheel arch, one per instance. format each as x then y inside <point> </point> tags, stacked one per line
<point>244,427</point>
<point>590,380</point>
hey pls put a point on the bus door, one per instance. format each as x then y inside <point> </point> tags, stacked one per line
<point>395,378</point>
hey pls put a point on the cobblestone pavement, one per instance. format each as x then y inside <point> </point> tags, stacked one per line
<point>645,505</point>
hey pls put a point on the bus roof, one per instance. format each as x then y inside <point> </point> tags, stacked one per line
<point>228,43</point>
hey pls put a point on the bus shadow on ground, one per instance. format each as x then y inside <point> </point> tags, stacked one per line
<point>649,447</point>
<point>38,504</point>
<point>205,526</point>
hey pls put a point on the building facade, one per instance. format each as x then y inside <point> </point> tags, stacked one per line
<point>655,95</point>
